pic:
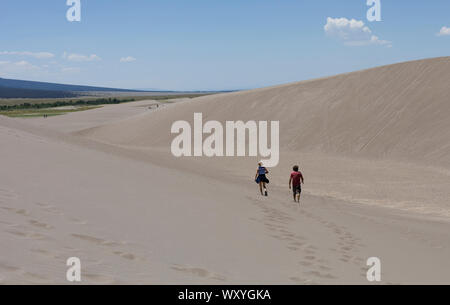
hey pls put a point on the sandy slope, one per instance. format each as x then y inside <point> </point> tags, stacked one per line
<point>379,136</point>
<point>101,186</point>
<point>399,111</point>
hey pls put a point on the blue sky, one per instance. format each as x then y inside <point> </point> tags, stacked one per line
<point>212,44</point>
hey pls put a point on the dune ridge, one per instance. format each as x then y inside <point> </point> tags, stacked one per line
<point>398,112</point>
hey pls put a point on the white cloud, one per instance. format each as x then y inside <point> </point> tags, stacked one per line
<point>127,59</point>
<point>352,32</point>
<point>80,57</point>
<point>26,65</point>
<point>445,31</point>
<point>38,55</point>
<point>19,68</point>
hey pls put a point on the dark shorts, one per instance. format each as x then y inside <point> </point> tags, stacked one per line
<point>297,189</point>
<point>262,178</point>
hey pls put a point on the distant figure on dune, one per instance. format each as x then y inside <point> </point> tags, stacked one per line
<point>261,178</point>
<point>295,182</point>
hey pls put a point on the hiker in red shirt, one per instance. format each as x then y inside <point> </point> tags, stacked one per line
<point>295,182</point>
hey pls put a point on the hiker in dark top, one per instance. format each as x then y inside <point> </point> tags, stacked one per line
<point>261,179</point>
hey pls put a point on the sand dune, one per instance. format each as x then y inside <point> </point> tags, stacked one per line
<point>103,186</point>
<point>399,111</point>
<point>379,136</point>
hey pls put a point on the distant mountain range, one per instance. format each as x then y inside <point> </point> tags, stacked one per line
<point>12,88</point>
<point>6,92</point>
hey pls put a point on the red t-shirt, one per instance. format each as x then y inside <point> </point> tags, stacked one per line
<point>296,178</point>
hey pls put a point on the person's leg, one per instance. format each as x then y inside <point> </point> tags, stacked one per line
<point>295,192</point>
<point>261,188</point>
<point>265,189</point>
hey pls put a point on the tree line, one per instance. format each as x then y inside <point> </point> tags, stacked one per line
<point>100,101</point>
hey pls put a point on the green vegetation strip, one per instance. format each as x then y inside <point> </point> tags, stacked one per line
<point>33,113</point>
<point>7,104</point>
<point>54,104</point>
<point>50,107</point>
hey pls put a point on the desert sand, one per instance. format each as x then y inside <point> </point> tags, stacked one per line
<point>102,185</point>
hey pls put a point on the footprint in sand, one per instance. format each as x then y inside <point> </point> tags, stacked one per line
<point>4,267</point>
<point>45,253</point>
<point>49,208</point>
<point>302,281</point>
<point>99,241</point>
<point>321,275</point>
<point>110,244</point>
<point>128,256</point>
<point>198,272</point>
<point>99,279</point>
<point>307,251</point>
<point>299,280</point>
<point>90,239</point>
<point>28,235</point>
<point>324,268</point>
<point>40,224</point>
<point>21,212</point>
<point>298,244</point>
<point>77,221</point>
<point>42,252</point>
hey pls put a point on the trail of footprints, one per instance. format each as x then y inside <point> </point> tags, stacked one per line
<point>276,222</point>
<point>28,277</point>
<point>25,223</point>
<point>347,244</point>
